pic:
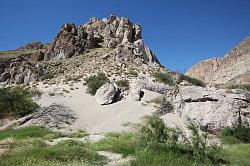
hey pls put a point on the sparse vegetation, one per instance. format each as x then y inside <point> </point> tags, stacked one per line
<point>64,153</point>
<point>29,148</point>
<point>133,73</point>
<point>156,144</point>
<point>156,100</point>
<point>94,82</point>
<point>236,134</point>
<point>242,87</point>
<point>191,80</point>
<point>124,84</point>
<point>164,78</point>
<point>25,133</point>
<point>16,102</point>
<point>46,76</point>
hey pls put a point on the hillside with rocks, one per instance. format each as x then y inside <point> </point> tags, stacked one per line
<point>99,86</point>
<point>232,69</point>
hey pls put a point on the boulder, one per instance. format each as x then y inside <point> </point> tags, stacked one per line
<point>106,94</point>
<point>137,85</point>
<point>211,108</point>
<point>4,77</point>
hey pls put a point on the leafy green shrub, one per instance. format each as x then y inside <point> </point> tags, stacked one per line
<point>199,148</point>
<point>16,102</point>
<point>94,82</point>
<point>164,78</point>
<point>153,133</point>
<point>236,134</point>
<point>123,84</point>
<point>191,80</point>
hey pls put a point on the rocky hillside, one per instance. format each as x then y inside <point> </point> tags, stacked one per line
<point>113,46</point>
<point>234,68</point>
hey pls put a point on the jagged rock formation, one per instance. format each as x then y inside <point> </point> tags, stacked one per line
<point>211,108</point>
<point>234,68</point>
<point>117,33</point>
<point>113,46</point>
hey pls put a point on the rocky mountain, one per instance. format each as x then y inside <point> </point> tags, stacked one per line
<point>112,46</point>
<point>234,68</point>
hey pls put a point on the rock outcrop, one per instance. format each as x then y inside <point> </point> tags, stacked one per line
<point>116,32</point>
<point>53,117</point>
<point>107,94</point>
<point>137,85</point>
<point>211,108</point>
<point>234,68</point>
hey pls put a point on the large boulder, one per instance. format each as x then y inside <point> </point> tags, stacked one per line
<point>211,108</point>
<point>106,94</point>
<point>4,77</point>
<point>138,84</point>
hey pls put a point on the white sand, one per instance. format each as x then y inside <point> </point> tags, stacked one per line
<point>93,117</point>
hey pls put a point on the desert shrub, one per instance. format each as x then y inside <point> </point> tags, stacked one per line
<point>200,150</point>
<point>123,84</point>
<point>46,76</point>
<point>191,80</point>
<point>236,134</point>
<point>164,78</point>
<point>133,73</point>
<point>156,100</point>
<point>153,133</point>
<point>16,102</point>
<point>243,87</point>
<point>94,82</point>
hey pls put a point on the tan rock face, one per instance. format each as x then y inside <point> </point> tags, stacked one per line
<point>234,67</point>
<point>116,32</point>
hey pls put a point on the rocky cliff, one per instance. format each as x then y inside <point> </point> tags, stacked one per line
<point>234,68</point>
<point>112,46</point>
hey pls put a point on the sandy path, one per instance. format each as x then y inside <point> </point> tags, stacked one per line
<point>93,117</point>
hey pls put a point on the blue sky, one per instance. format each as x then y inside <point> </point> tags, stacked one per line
<point>180,32</point>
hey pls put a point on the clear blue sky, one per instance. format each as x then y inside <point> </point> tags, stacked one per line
<point>180,32</point>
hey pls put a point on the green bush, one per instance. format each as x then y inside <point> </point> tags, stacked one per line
<point>153,133</point>
<point>155,144</point>
<point>133,73</point>
<point>236,134</point>
<point>200,150</point>
<point>191,80</point>
<point>94,82</point>
<point>164,78</point>
<point>123,84</point>
<point>16,102</point>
